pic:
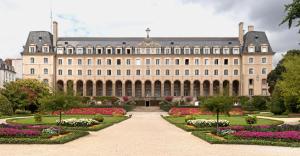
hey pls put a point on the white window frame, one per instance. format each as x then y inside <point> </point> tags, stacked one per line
<point>32,49</point>
<point>237,71</point>
<point>208,61</point>
<point>249,60</point>
<point>197,49</point>
<point>168,51</point>
<point>106,51</point>
<point>79,51</point>
<point>116,52</point>
<point>216,50</point>
<point>187,50</point>
<point>264,49</point>
<point>262,71</point>
<point>236,51</point>
<point>238,61</point>
<point>60,50</point>
<point>206,51</point>
<point>72,50</point>
<point>101,50</point>
<point>130,51</point>
<point>45,49</point>
<point>251,49</point>
<point>250,70</point>
<point>138,61</point>
<point>262,60</point>
<point>177,51</point>
<point>89,49</point>
<point>158,50</point>
<point>224,51</point>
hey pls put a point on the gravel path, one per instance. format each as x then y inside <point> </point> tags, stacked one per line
<point>290,121</point>
<point>145,134</point>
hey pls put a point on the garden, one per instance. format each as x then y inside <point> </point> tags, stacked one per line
<point>51,117</point>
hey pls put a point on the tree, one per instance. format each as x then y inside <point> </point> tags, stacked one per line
<point>275,75</point>
<point>218,104</point>
<point>60,101</point>
<point>290,83</point>
<point>26,93</point>
<point>5,106</point>
<point>293,13</point>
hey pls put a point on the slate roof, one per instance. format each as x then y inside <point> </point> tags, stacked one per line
<point>39,38</point>
<point>256,38</point>
<point>4,66</point>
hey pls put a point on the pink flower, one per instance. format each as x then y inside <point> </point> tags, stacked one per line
<point>290,135</point>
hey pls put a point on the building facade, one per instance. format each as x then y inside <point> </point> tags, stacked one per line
<point>151,67</point>
<point>7,73</point>
<point>17,63</point>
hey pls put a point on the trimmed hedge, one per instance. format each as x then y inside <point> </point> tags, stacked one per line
<point>70,137</point>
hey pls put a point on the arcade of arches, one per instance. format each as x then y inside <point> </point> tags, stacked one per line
<point>150,88</point>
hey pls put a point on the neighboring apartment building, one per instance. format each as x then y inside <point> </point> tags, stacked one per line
<point>151,66</point>
<point>17,63</point>
<point>7,73</point>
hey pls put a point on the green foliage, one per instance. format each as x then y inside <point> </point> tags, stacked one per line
<point>6,107</point>
<point>250,119</point>
<point>98,118</point>
<point>22,112</point>
<point>165,105</point>
<point>26,93</point>
<point>293,13</point>
<point>38,118</point>
<point>276,103</point>
<point>218,104</point>
<point>189,117</point>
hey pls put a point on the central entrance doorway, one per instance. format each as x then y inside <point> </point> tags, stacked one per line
<point>147,103</point>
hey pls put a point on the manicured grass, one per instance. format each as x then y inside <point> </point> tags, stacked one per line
<point>234,120</point>
<point>15,115</point>
<point>214,140</point>
<point>51,120</point>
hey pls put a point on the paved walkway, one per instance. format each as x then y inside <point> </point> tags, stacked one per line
<point>145,134</point>
<point>290,121</point>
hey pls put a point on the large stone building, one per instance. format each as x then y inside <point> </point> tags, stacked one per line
<point>150,67</point>
<point>7,73</point>
<point>17,63</point>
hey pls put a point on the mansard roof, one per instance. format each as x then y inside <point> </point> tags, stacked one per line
<point>39,38</point>
<point>257,39</point>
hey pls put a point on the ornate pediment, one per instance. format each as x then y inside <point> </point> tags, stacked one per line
<point>148,43</point>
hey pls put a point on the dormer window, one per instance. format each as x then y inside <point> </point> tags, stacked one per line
<point>60,50</point>
<point>196,50</point>
<point>148,50</point>
<point>225,50</point>
<point>128,50</point>
<point>187,50</point>
<point>216,51</point>
<point>251,49</point>
<point>45,49</point>
<point>264,49</point>
<point>177,50</point>
<point>167,50</point>
<point>32,49</point>
<point>108,50</point>
<point>137,51</point>
<point>69,50</point>
<point>79,51</point>
<point>236,51</point>
<point>99,50</point>
<point>206,51</point>
<point>158,51</point>
<point>89,50</point>
<point>119,50</point>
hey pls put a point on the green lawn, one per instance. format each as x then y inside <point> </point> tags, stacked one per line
<point>51,120</point>
<point>234,120</point>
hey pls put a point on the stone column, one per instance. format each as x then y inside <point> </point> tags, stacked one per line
<point>152,89</point>
<point>123,89</point>
<point>211,89</point>
<point>133,90</point>
<point>162,90</point>
<point>104,89</point>
<point>65,87</point>
<point>230,89</point>
<point>172,89</point>
<point>182,89</point>
<point>201,89</point>
<point>192,89</point>
<point>94,88</point>
<point>113,89</point>
<point>221,89</point>
<point>84,88</point>
<point>74,88</point>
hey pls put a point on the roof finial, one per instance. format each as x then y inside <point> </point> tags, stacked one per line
<point>148,31</point>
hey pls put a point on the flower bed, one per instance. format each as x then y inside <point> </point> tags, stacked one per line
<point>73,122</point>
<point>92,111</point>
<point>199,111</point>
<point>208,123</point>
<point>288,135</point>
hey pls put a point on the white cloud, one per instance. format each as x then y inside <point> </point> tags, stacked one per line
<point>119,18</point>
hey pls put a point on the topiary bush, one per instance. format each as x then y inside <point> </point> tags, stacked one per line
<point>98,118</point>
<point>250,119</point>
<point>6,107</point>
<point>169,98</point>
<point>38,118</point>
<point>260,102</point>
<point>165,105</point>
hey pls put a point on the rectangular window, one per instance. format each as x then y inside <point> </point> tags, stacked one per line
<point>90,51</point>
<point>69,61</point>
<point>250,60</point>
<point>108,72</point>
<point>32,60</point>
<point>177,61</point>
<point>167,51</point>
<point>264,49</point>
<point>251,71</point>
<point>148,61</point>
<point>251,92</point>
<point>206,61</point>
<point>32,71</point>
<point>60,61</point>
<point>119,50</point>
<point>177,50</point>
<point>187,51</point>
<point>99,51</point>
<point>196,51</point>
<point>108,51</point>
<point>138,62</point>
<point>216,61</point>
<point>108,61</point>
<point>148,50</point>
<point>264,71</point>
<point>196,72</point>
<point>225,50</point>
<point>89,62</point>
<point>177,72</point>
<point>98,61</point>
<point>79,72</point>
<point>251,49</point>
<point>186,72</point>
<point>264,60</point>
<point>69,72</point>
<point>197,61</point>
<point>206,72</point>
<point>128,61</point>
<point>226,62</point>
<point>118,72</point>
<point>45,49</point>
<point>148,72</point>
<point>236,61</point>
<point>236,72</point>
<point>157,61</point>
<point>226,72</point>
<point>128,51</point>
<point>118,61</point>
<point>89,72</point>
<point>60,72</point>
<point>167,61</point>
<point>186,61</point>
<point>79,50</point>
<point>216,72</point>
<point>128,72</point>
<point>79,61</point>
<point>45,60</point>
<point>138,72</point>
<point>45,71</point>
<point>206,51</point>
<point>98,72</point>
<point>216,51</point>
<point>236,51</point>
<point>157,72</point>
<point>167,72</point>
<point>251,82</point>
<point>158,51</point>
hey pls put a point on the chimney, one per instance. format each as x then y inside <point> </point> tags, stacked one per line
<point>241,33</point>
<point>250,28</point>
<point>55,33</point>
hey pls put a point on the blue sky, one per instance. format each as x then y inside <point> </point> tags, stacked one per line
<point>131,18</point>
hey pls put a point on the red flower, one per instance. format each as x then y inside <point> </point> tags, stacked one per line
<point>92,111</point>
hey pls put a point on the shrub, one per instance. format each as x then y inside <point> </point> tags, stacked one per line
<point>260,102</point>
<point>208,123</point>
<point>37,118</point>
<point>6,107</point>
<point>250,119</point>
<point>169,98</point>
<point>98,118</point>
<point>165,106</point>
<point>73,122</point>
<point>24,112</point>
<point>125,98</point>
<point>189,99</point>
<point>117,114</point>
<point>189,117</point>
